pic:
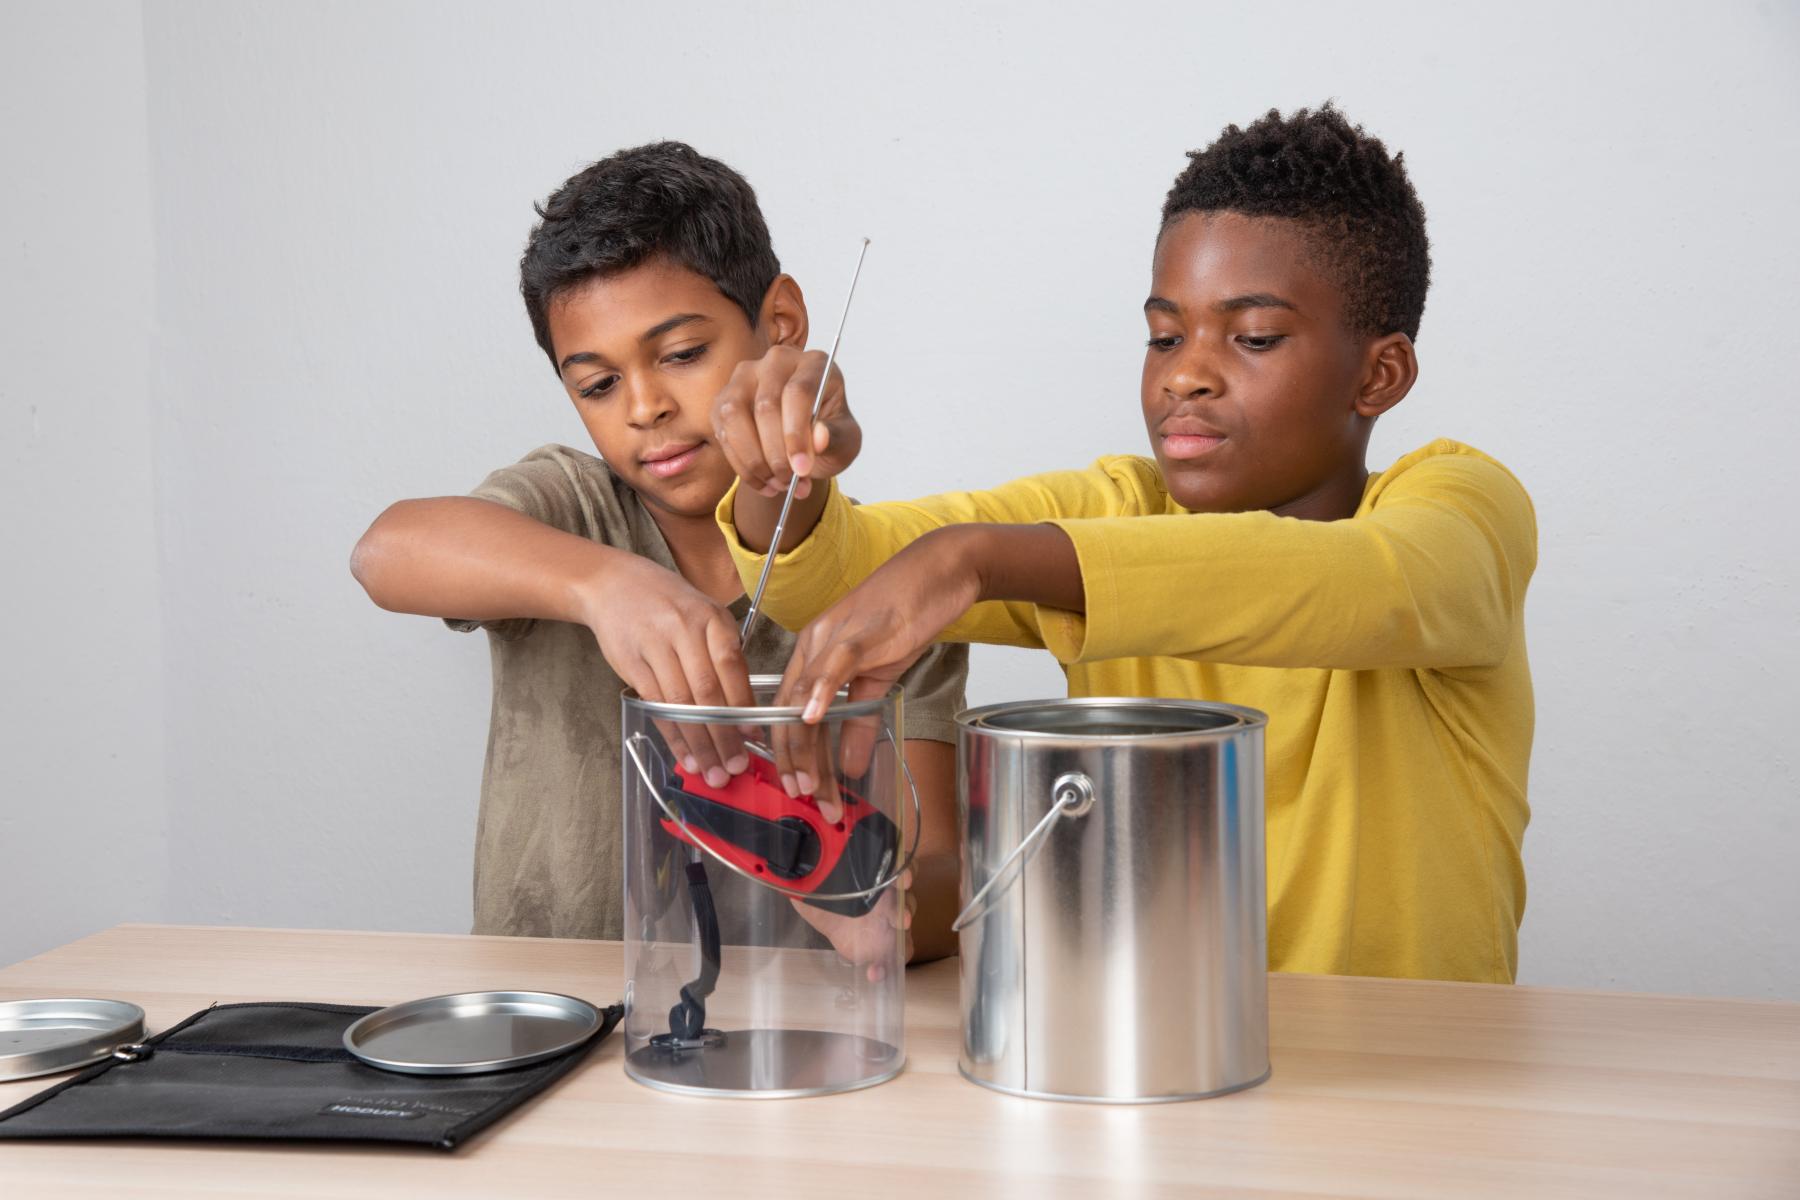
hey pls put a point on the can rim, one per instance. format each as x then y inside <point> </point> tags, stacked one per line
<point>758,714</point>
<point>978,720</point>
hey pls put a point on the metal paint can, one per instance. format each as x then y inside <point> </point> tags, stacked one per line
<point>1114,930</point>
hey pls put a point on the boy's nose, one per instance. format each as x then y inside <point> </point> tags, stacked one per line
<point>1194,375</point>
<point>649,407</point>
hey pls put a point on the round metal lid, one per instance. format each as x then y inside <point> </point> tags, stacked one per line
<point>41,1037</point>
<point>471,1032</point>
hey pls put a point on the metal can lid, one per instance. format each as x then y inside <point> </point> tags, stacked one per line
<point>1110,720</point>
<point>470,1033</point>
<point>42,1037</point>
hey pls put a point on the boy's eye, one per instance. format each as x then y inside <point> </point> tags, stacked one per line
<point>598,388</point>
<point>1162,343</point>
<point>1263,341</point>
<point>691,354</point>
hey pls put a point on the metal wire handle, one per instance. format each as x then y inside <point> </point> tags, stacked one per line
<point>874,888</point>
<point>1074,794</point>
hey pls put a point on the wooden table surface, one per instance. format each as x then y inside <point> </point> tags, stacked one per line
<point>1381,1088</point>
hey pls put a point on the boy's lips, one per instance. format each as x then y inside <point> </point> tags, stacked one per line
<point>1188,439</point>
<point>1185,445</point>
<point>671,459</point>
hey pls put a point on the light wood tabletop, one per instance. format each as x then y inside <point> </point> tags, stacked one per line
<point>1380,1088</point>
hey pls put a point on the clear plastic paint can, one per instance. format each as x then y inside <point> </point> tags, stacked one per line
<point>764,944</point>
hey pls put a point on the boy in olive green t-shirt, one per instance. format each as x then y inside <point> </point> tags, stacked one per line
<point>649,279</point>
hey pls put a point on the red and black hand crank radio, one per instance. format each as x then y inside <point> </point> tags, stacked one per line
<point>754,824</point>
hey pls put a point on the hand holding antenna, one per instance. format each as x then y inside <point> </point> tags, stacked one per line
<point>803,456</point>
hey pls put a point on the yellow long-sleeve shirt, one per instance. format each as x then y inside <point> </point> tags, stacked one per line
<point>1388,650</point>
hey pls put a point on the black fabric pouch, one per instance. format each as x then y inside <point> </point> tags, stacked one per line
<point>278,1071</point>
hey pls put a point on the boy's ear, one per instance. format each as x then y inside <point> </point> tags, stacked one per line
<point>1392,368</point>
<point>783,316</point>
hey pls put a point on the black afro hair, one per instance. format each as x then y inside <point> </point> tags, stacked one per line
<point>1360,210</point>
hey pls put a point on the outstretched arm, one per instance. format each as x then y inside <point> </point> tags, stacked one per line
<point>461,557</point>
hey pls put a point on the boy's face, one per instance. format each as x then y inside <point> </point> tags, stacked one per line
<point>1251,378</point>
<point>642,354</point>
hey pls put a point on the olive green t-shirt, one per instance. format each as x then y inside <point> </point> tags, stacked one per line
<point>548,855</point>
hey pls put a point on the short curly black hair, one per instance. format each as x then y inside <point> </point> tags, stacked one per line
<point>664,198</point>
<point>1360,208</point>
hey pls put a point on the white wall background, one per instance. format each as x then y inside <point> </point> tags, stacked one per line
<point>259,279</point>
<point>82,808</point>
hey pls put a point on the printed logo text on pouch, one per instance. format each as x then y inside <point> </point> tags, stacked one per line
<point>392,1108</point>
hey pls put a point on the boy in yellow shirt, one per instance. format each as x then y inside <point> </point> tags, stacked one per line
<point>1377,619</point>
